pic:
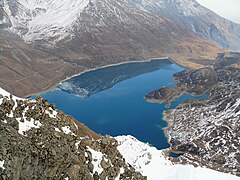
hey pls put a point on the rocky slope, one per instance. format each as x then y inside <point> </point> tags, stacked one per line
<point>206,131</point>
<point>196,19</point>
<point>39,142</point>
<point>24,70</point>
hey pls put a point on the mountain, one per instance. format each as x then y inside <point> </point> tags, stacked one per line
<point>196,19</point>
<point>37,141</point>
<point>53,20</point>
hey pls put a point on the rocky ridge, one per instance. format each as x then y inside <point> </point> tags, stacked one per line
<point>39,142</point>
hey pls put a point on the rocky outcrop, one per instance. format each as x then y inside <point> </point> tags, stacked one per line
<point>227,58</point>
<point>195,82</point>
<point>205,131</point>
<point>164,94</point>
<point>39,142</point>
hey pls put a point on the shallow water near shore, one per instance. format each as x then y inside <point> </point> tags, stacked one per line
<point>111,100</point>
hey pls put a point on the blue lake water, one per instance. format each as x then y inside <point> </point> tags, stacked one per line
<point>111,100</point>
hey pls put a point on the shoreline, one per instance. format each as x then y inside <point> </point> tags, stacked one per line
<point>117,64</point>
<point>172,60</point>
<point>101,67</point>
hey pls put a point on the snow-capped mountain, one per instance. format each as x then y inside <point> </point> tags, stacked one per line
<point>201,21</point>
<point>55,20</point>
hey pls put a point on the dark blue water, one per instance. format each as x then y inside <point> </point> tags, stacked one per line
<point>115,104</point>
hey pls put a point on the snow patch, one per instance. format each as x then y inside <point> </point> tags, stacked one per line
<point>57,129</point>
<point>67,130</point>
<point>96,160</point>
<point>52,113</point>
<point>44,19</point>
<point>142,156</point>
<point>1,164</point>
<point>27,125</point>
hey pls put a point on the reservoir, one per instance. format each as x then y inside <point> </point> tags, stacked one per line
<point>111,100</point>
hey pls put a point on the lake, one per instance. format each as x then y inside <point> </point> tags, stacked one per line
<point>111,100</point>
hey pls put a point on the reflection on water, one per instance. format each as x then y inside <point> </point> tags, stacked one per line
<point>114,102</point>
<point>93,82</point>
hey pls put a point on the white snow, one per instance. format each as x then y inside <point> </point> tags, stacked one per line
<point>77,143</point>
<point>187,172</point>
<point>152,163</point>
<point>67,130</point>
<point>1,164</point>
<point>140,155</point>
<point>27,125</point>
<point>52,113</point>
<point>57,129</point>
<point>96,160</point>
<point>3,92</point>
<point>45,19</point>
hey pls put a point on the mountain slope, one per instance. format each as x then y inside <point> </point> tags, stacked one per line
<point>40,142</point>
<point>35,19</point>
<point>196,19</point>
<point>53,20</point>
<point>24,70</point>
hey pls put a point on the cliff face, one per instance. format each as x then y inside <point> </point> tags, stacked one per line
<point>39,142</point>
